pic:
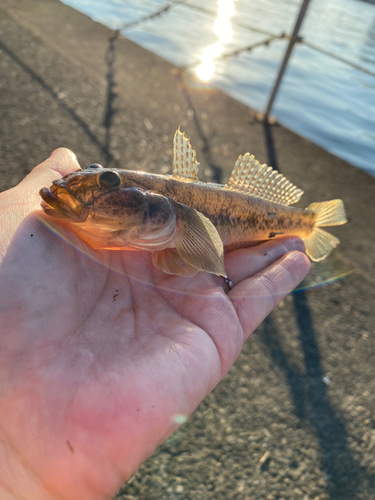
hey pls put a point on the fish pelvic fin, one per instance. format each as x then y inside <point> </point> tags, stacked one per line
<point>250,177</point>
<point>197,242</point>
<point>320,243</point>
<point>184,166</point>
<point>170,262</point>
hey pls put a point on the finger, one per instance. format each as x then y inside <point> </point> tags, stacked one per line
<point>61,162</point>
<point>19,202</point>
<point>255,297</point>
<point>25,197</point>
<point>246,262</point>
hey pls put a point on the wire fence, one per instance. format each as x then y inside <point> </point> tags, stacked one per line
<point>271,37</point>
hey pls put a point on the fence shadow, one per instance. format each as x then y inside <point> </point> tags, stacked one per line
<point>270,146</point>
<point>270,338</point>
<point>110,111</point>
<point>49,90</point>
<point>206,149</point>
<point>309,393</point>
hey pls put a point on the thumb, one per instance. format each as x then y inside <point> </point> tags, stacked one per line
<point>22,200</point>
<point>61,162</point>
<point>26,195</point>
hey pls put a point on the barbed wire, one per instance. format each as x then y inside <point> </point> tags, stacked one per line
<point>249,48</point>
<point>236,52</point>
<point>153,15</point>
<point>339,58</point>
<point>233,21</point>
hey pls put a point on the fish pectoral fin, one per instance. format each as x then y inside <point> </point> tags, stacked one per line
<point>197,241</point>
<point>184,165</point>
<point>250,177</point>
<point>170,262</point>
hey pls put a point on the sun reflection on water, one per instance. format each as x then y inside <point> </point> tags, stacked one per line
<point>223,29</point>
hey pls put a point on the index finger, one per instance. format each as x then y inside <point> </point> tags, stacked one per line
<point>255,297</point>
<point>246,262</point>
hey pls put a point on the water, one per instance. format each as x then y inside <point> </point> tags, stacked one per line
<point>322,99</point>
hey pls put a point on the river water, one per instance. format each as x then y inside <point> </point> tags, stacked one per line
<point>322,99</point>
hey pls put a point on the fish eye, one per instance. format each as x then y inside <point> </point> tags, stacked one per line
<point>109,179</point>
<point>93,166</point>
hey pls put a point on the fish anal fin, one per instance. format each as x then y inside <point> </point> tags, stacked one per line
<point>250,177</point>
<point>184,164</point>
<point>197,241</point>
<point>319,244</point>
<point>170,262</point>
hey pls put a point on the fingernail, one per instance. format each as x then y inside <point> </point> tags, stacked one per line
<point>294,243</point>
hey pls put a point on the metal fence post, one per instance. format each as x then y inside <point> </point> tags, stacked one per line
<point>288,52</point>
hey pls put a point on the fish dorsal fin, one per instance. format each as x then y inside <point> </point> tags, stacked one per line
<point>184,158</point>
<point>258,180</point>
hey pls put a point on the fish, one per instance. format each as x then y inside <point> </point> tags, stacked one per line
<point>189,225</point>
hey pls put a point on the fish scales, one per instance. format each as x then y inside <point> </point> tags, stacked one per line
<point>238,217</point>
<point>185,223</point>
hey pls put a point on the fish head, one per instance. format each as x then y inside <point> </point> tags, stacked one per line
<point>107,212</point>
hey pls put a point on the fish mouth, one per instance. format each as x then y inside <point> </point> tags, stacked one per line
<point>61,204</point>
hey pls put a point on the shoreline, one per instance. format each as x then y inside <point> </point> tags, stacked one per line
<point>333,123</point>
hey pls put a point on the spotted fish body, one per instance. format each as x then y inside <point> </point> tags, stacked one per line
<point>240,219</point>
<point>186,223</point>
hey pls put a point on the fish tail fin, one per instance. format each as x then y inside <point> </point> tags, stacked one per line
<point>320,243</point>
<point>328,213</point>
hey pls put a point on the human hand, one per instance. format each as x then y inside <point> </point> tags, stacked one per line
<point>102,355</point>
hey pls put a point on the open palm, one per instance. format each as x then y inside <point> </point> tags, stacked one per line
<point>102,356</point>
